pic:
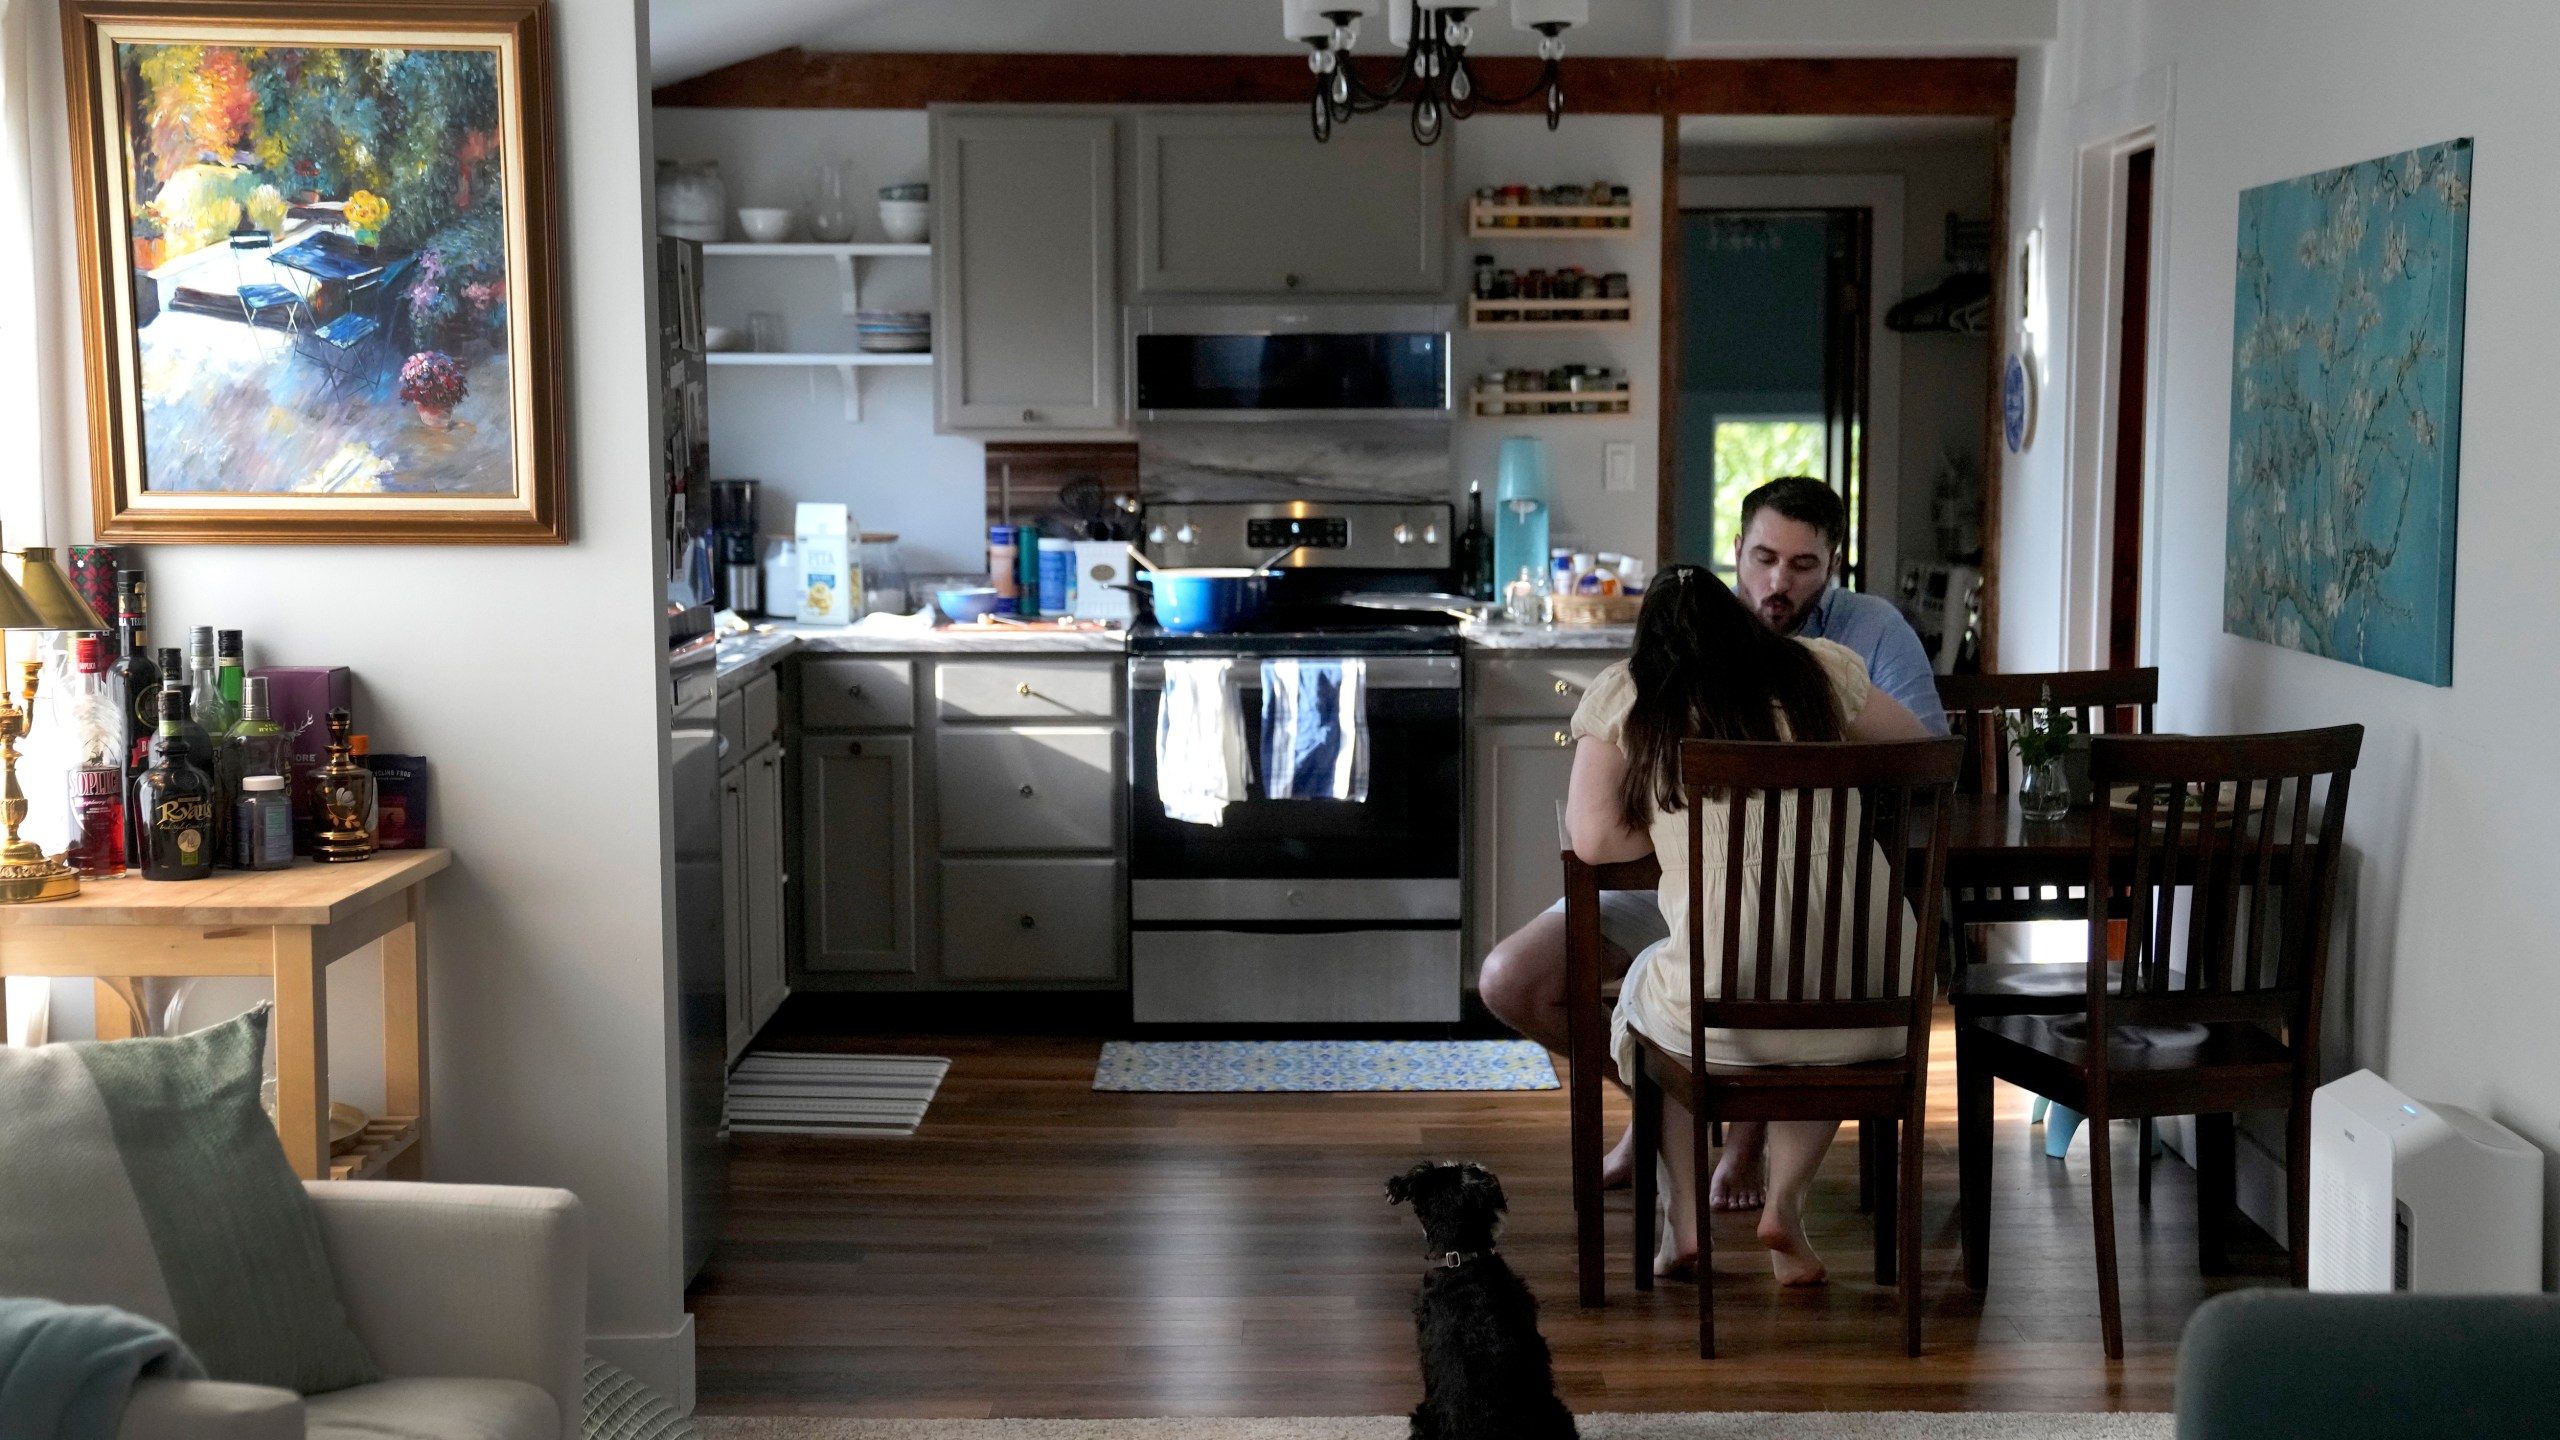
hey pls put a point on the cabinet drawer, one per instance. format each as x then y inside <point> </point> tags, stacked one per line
<point>1027,690</point>
<point>763,700</point>
<point>1030,920</point>
<point>1530,688</point>
<point>857,694</point>
<point>1047,789</point>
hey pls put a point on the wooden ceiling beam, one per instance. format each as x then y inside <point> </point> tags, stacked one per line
<point>1594,85</point>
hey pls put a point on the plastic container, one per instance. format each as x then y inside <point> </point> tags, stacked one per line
<point>1003,555</point>
<point>1057,579</point>
<point>262,824</point>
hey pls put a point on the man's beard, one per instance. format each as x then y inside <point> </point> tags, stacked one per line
<point>1781,614</point>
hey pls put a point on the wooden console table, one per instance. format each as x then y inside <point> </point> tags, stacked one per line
<point>285,925</point>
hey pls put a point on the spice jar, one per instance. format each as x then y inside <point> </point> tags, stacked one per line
<point>1484,277</point>
<point>1614,285</point>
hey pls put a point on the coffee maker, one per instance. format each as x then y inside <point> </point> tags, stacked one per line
<point>738,575</point>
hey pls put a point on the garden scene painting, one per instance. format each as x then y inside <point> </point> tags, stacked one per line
<point>319,238</point>
<point>2346,412</point>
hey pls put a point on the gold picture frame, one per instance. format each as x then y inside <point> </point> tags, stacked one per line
<point>319,270</point>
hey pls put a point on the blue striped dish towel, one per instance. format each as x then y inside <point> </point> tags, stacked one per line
<point>1200,750</point>
<point>1315,729</point>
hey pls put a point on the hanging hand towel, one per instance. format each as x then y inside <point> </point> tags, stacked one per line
<point>1200,756</point>
<point>1315,729</point>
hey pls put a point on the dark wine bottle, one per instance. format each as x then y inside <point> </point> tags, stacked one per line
<point>173,676</point>
<point>135,684</point>
<point>176,801</point>
<point>1475,550</point>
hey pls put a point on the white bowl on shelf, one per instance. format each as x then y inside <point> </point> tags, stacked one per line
<point>907,221</point>
<point>767,226</point>
<point>722,338</point>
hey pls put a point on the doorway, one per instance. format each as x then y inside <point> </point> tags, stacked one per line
<point>2132,418</point>
<point>1783,365</point>
<point>2108,587</point>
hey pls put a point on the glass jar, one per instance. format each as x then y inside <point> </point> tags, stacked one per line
<point>830,214</point>
<point>2045,791</point>
<point>884,579</point>
<point>1484,277</point>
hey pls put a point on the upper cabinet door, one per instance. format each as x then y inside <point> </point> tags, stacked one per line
<point>1026,273</point>
<point>1250,204</point>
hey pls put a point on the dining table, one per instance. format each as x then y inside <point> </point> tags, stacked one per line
<point>1991,844</point>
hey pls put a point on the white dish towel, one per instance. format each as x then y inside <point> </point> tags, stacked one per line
<point>1200,749</point>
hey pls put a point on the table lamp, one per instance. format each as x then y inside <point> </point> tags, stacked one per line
<point>41,599</point>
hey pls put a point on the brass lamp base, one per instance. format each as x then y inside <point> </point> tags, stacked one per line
<point>30,881</point>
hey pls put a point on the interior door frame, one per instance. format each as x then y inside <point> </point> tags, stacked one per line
<point>2107,130</point>
<point>1882,197</point>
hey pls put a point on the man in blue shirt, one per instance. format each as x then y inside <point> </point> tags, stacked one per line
<point>1784,563</point>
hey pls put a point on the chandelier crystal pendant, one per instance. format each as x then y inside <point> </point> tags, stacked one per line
<point>1435,73</point>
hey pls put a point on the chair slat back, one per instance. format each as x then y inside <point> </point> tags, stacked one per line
<point>2232,847</point>
<point>1978,708</point>
<point>1794,821</point>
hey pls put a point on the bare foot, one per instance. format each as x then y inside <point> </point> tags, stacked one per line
<point>1675,1257</point>
<point>1738,1182</point>
<point>1791,1255</point>
<point>1618,1167</point>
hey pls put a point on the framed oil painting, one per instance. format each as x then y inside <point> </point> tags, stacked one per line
<point>2346,411</point>
<point>319,270</point>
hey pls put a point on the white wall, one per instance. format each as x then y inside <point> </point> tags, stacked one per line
<point>533,678</point>
<point>1859,27</point>
<point>787,427</point>
<point>2456,809</point>
<point>1519,150</point>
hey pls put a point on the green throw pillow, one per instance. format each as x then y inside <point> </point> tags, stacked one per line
<point>157,1150</point>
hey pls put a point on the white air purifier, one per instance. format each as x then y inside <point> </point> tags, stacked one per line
<point>2411,1196</point>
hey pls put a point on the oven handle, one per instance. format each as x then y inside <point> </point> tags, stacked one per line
<point>1386,672</point>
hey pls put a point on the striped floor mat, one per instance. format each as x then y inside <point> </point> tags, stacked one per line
<point>779,1093</point>
<point>1214,1066</point>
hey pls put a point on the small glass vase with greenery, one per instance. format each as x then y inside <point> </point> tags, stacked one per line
<point>2042,738</point>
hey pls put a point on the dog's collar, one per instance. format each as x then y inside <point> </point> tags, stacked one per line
<point>1452,1259</point>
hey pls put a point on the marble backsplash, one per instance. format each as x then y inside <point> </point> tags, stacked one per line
<point>1383,460</point>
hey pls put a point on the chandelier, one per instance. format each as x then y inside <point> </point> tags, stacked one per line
<point>1434,35</point>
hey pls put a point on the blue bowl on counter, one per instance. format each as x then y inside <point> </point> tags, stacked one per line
<point>1206,601</point>
<point>966,606</point>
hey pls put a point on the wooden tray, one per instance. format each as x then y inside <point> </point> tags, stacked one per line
<point>1597,609</point>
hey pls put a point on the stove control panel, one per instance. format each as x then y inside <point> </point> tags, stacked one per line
<point>1319,533</point>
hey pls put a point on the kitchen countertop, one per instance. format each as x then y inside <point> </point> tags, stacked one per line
<point>744,656</point>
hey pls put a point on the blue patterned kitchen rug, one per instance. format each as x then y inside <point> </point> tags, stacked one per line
<point>1309,1066</point>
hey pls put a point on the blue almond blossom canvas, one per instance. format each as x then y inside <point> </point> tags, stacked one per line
<point>2346,412</point>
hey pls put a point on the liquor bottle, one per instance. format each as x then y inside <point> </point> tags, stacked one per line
<point>96,717</point>
<point>1475,550</point>
<point>256,746</point>
<point>135,682</point>
<point>176,801</point>
<point>205,700</point>
<point>230,674</point>
<point>173,677</point>
<point>343,792</point>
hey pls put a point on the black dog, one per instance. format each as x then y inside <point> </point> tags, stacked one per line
<point>1485,1369</point>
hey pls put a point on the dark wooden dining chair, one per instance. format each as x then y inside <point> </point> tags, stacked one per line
<point>1587,1064</point>
<point>2225,868</point>
<point>1818,979</point>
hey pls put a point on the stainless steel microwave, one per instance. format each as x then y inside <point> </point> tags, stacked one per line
<point>1290,362</point>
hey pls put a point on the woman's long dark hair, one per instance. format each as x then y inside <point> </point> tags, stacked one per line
<point>1705,668</point>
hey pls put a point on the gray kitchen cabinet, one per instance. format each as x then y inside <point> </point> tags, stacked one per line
<point>1026,273</point>
<point>1031,920</point>
<point>1026,689</point>
<point>734,922</point>
<point>1248,203</point>
<point>1029,788</point>
<point>764,882</point>
<point>857,857</point>
<point>1519,762</point>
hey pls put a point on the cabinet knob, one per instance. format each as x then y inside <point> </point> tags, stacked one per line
<point>1290,280</point>
<point>854,749</point>
<point>1030,417</point>
<point>1403,534</point>
<point>853,690</point>
<point>1563,740</point>
<point>1564,687</point>
<point>1026,792</point>
<point>1297,897</point>
<point>1022,689</point>
<point>1026,922</point>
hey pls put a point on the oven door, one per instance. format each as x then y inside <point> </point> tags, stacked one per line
<point>1407,830</point>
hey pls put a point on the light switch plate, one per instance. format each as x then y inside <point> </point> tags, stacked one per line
<point>1618,465</point>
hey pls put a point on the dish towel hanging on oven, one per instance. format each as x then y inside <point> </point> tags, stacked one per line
<point>1315,729</point>
<point>1200,754</point>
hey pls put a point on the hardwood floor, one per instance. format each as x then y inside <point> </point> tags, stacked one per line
<point>1038,1249</point>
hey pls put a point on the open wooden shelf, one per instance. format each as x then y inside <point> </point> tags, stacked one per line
<point>1549,222</point>
<point>1530,404</point>
<point>1574,314</point>
<point>810,357</point>
<point>381,1142</point>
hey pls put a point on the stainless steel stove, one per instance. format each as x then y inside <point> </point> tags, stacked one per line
<point>1308,912</point>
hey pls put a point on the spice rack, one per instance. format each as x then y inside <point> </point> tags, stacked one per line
<point>1552,404</point>
<point>1577,313</point>
<point>1495,220</point>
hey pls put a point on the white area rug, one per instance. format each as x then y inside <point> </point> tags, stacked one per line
<point>779,1093</point>
<point>1732,1425</point>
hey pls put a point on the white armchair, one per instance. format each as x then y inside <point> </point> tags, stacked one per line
<point>473,1299</point>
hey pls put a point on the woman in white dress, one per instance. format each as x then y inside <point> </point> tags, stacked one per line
<point>1704,668</point>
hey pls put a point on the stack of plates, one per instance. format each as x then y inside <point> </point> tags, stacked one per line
<point>894,332</point>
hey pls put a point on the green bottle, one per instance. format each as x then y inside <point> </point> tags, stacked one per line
<point>228,671</point>
<point>175,797</point>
